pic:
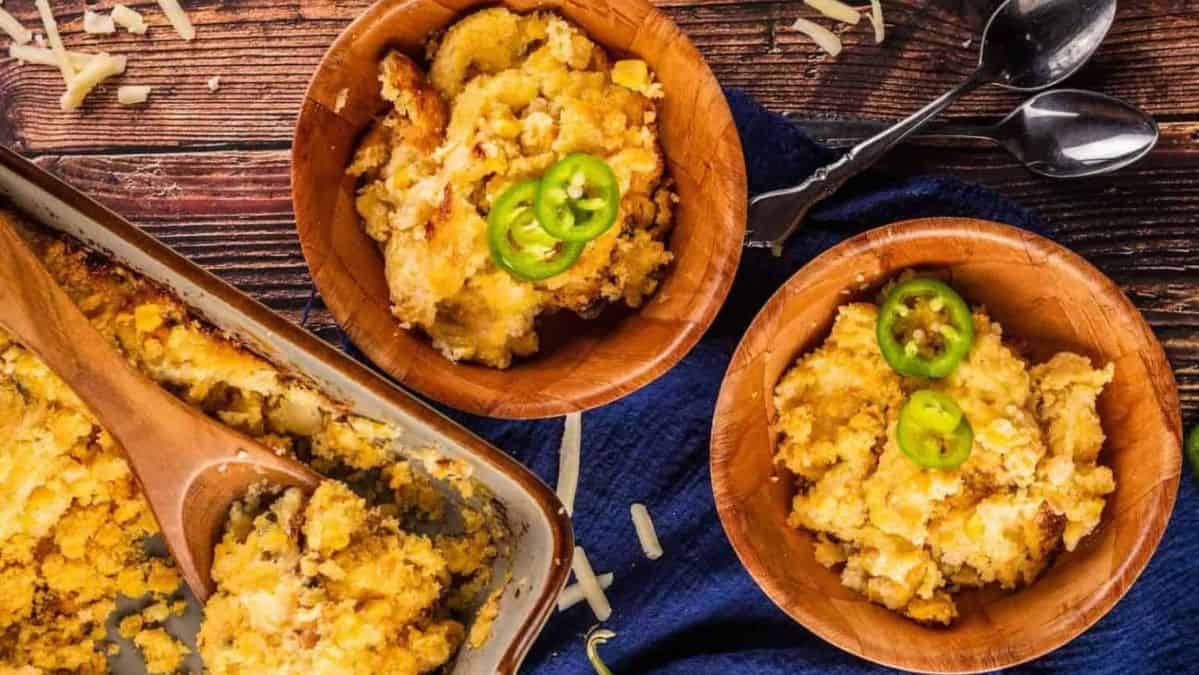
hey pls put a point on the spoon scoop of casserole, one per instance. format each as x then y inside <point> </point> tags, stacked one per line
<point>191,468</point>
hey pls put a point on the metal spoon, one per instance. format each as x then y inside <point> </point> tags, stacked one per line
<point>1063,133</point>
<point>1027,45</point>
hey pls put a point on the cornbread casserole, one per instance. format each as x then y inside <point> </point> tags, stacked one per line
<point>507,97</point>
<point>908,537</point>
<point>74,524</point>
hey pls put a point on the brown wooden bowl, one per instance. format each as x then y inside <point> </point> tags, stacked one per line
<point>582,364</point>
<point>1041,293</point>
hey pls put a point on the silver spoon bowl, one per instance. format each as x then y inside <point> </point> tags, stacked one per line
<point>1027,45</point>
<point>1062,133</point>
<point>1070,133</point>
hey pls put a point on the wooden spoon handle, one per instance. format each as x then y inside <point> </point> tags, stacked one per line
<point>38,313</point>
<point>190,467</point>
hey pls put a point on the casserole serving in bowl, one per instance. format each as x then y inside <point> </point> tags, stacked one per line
<point>642,99</point>
<point>158,307</point>
<point>992,551</point>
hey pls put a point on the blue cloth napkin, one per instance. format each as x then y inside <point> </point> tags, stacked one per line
<point>696,611</point>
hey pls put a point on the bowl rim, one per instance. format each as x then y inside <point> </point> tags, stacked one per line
<point>454,386</point>
<point>1130,568</point>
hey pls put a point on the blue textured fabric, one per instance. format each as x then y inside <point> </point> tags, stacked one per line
<point>697,611</point>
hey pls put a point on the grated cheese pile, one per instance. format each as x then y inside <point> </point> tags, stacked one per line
<point>83,72</point>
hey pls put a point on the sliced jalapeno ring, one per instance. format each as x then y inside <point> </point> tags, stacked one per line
<point>1192,450</point>
<point>933,446</point>
<point>934,411</point>
<point>925,329</point>
<point>578,199</point>
<point>519,244</point>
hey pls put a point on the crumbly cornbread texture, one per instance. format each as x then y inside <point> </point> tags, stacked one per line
<point>908,537</point>
<point>326,585</point>
<point>507,96</point>
<point>73,522</point>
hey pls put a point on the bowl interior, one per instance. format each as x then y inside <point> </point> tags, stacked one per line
<point>583,363</point>
<point>1050,299</point>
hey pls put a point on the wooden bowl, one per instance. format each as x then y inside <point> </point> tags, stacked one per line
<point>1041,293</point>
<point>582,364</point>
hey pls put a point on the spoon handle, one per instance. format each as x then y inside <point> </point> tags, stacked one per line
<point>38,313</point>
<point>775,215</point>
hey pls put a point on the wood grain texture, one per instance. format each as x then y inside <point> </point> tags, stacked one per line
<point>265,51</point>
<point>581,364</point>
<point>190,467</point>
<point>1010,271</point>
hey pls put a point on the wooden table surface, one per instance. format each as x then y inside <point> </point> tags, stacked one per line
<point>208,172</point>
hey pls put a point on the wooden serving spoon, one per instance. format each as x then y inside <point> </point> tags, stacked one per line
<point>191,468</point>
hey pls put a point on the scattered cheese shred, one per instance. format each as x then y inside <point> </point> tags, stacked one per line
<point>573,594</point>
<point>568,460</point>
<point>10,25</point>
<point>96,23</point>
<point>99,68</point>
<point>646,533</point>
<point>876,19</point>
<point>340,102</point>
<point>60,52</point>
<point>133,94</point>
<point>823,37</point>
<point>42,56</point>
<point>178,18</point>
<point>129,19</point>
<point>590,585</point>
<point>214,83</point>
<point>836,10</point>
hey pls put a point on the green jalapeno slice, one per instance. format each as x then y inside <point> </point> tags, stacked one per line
<point>933,432</point>
<point>518,242</point>
<point>924,328</point>
<point>578,198</point>
<point>1192,450</point>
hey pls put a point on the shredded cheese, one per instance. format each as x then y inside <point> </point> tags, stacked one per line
<point>60,52</point>
<point>646,533</point>
<point>99,68</point>
<point>133,94</point>
<point>42,56</point>
<point>129,19</point>
<point>876,19</point>
<point>590,585</point>
<point>178,18</point>
<point>214,83</point>
<point>568,460</point>
<point>836,10</point>
<point>10,25</point>
<point>573,594</point>
<point>340,102</point>
<point>96,23</point>
<point>823,37</point>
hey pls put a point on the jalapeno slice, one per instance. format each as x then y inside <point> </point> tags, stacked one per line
<point>933,432</point>
<point>578,198</point>
<point>924,329</point>
<point>519,244</point>
<point>1192,450</point>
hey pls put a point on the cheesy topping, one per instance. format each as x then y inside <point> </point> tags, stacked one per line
<point>907,537</point>
<point>507,96</point>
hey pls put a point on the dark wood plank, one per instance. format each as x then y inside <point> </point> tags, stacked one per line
<point>230,211</point>
<point>264,52</point>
